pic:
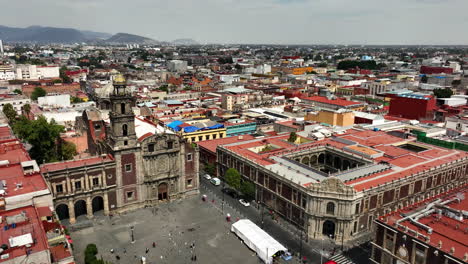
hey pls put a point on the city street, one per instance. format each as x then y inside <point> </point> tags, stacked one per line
<point>284,232</point>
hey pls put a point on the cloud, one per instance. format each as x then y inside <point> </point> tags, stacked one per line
<point>256,21</point>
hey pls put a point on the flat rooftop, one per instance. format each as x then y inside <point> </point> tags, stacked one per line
<point>30,228</point>
<point>447,226</point>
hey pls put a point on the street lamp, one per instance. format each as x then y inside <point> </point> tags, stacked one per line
<point>133,237</point>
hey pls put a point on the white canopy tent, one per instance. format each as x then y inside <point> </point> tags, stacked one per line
<point>258,240</point>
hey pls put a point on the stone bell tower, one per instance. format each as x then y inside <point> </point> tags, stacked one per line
<point>122,120</point>
<point>123,143</point>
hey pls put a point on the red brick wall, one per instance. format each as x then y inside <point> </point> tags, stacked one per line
<point>112,198</point>
<point>110,181</point>
<point>66,88</point>
<point>128,178</point>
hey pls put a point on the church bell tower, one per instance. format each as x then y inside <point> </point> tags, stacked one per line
<point>122,119</point>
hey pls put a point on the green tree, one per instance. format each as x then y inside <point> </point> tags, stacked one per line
<point>248,189</point>
<point>164,88</point>
<point>64,76</point>
<point>90,253</point>
<point>210,168</point>
<point>27,109</point>
<point>75,100</point>
<point>292,137</point>
<point>233,178</point>
<point>9,112</point>
<point>424,79</point>
<point>443,93</point>
<point>18,91</point>
<point>67,150</point>
<point>42,135</point>
<point>38,92</point>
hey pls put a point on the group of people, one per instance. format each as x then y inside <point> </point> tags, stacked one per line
<point>125,251</point>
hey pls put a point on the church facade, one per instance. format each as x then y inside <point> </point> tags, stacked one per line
<point>128,170</point>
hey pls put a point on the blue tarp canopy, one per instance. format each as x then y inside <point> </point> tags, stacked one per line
<point>216,126</point>
<point>190,129</point>
<point>174,124</point>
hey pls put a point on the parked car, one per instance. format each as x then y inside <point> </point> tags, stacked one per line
<point>230,192</point>
<point>215,181</point>
<point>207,176</point>
<point>244,202</point>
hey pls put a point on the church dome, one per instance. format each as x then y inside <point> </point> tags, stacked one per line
<point>119,79</point>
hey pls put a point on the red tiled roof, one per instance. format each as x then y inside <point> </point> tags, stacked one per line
<point>339,102</point>
<point>211,145</point>
<point>75,163</point>
<point>451,232</point>
<point>32,226</point>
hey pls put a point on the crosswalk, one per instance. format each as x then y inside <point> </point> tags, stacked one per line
<point>340,259</point>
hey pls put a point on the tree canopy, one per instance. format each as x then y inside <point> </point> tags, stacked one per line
<point>350,64</point>
<point>18,91</point>
<point>9,112</point>
<point>443,93</point>
<point>64,76</point>
<point>248,189</point>
<point>233,178</point>
<point>44,136</point>
<point>38,92</point>
<point>292,137</point>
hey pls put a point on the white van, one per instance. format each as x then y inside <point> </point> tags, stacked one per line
<point>215,181</point>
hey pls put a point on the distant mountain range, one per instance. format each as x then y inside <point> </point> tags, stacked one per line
<point>39,34</point>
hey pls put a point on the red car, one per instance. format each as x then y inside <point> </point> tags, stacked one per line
<point>331,262</point>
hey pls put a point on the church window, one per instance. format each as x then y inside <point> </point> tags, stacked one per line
<point>78,185</point>
<point>59,188</point>
<point>124,130</point>
<point>189,157</point>
<point>150,147</point>
<point>122,108</point>
<point>170,144</point>
<point>95,181</point>
<point>128,167</point>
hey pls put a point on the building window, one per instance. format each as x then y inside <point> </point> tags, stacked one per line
<point>220,135</point>
<point>357,209</point>
<point>125,142</point>
<point>189,183</point>
<point>95,181</point>
<point>330,208</point>
<point>59,188</point>
<point>109,176</point>
<point>128,167</point>
<point>97,126</point>
<point>124,130</point>
<point>214,136</point>
<point>78,185</point>
<point>419,255</point>
<point>130,196</point>
<point>150,147</point>
<point>189,157</point>
<point>193,139</point>
<point>122,108</point>
<point>200,138</point>
<point>170,144</point>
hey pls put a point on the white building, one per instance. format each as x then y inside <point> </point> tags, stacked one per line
<point>34,72</point>
<point>6,73</point>
<point>229,78</point>
<point>60,100</point>
<point>177,66</point>
<point>17,102</point>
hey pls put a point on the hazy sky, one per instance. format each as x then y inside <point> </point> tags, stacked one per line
<point>255,21</point>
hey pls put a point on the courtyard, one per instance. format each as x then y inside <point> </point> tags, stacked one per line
<point>173,227</point>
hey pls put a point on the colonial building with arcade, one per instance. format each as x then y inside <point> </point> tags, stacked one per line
<point>134,163</point>
<point>335,188</point>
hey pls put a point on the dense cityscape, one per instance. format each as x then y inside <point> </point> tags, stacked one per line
<point>123,149</point>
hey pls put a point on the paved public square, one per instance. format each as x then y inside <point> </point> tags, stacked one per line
<point>173,227</point>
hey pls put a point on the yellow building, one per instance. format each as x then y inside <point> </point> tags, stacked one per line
<point>334,118</point>
<point>201,135</point>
